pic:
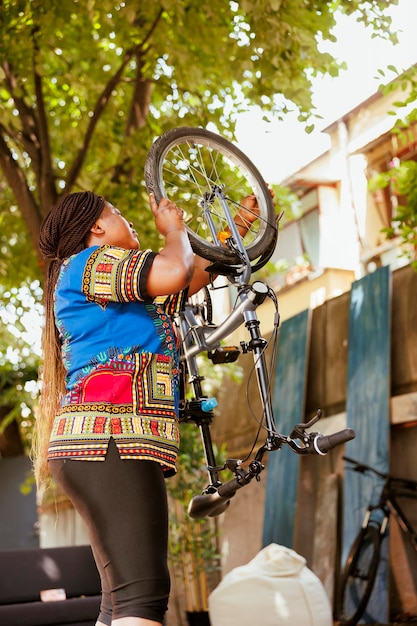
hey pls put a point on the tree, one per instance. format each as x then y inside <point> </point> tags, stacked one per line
<point>86,85</point>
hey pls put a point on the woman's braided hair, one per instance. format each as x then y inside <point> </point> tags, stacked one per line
<point>63,232</point>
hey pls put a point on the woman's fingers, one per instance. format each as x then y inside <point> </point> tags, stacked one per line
<point>164,205</point>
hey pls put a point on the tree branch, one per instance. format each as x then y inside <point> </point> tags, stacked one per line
<point>28,136</point>
<point>18,184</point>
<point>98,110</point>
<point>10,439</point>
<point>138,113</point>
<point>46,180</point>
<point>152,29</point>
<point>34,136</point>
<point>102,102</point>
<point>141,99</point>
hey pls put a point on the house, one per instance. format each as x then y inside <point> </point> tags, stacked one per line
<point>335,240</point>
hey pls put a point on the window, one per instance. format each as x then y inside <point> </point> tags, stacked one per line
<point>298,249</point>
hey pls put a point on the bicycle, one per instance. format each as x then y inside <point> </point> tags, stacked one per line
<point>207,176</point>
<point>359,572</point>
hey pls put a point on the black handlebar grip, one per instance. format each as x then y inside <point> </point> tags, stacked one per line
<point>208,504</point>
<point>323,444</point>
<point>215,503</point>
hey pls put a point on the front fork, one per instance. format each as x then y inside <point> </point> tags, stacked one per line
<point>377,515</point>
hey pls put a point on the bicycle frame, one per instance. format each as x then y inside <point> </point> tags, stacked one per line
<point>400,488</point>
<point>394,487</point>
<point>361,567</point>
<point>197,337</point>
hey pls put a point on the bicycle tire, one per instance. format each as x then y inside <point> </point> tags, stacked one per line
<point>358,576</point>
<point>186,163</point>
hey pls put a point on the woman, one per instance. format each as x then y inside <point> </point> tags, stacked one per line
<point>110,388</point>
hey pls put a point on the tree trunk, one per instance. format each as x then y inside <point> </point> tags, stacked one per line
<point>10,440</point>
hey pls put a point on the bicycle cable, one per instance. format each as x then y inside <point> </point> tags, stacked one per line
<point>272,340</point>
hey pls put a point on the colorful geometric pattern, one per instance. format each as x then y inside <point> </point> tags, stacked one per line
<point>131,400</point>
<point>120,351</point>
<point>115,274</point>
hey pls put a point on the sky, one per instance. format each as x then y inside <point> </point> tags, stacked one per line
<point>281,148</point>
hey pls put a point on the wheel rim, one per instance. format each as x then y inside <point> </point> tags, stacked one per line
<point>193,172</point>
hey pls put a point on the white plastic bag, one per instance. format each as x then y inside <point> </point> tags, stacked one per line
<point>275,588</point>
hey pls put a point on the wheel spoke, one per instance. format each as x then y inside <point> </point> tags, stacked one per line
<point>189,166</point>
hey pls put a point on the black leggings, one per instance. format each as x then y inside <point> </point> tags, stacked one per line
<point>124,505</point>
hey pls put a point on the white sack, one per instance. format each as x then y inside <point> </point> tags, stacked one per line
<point>276,588</point>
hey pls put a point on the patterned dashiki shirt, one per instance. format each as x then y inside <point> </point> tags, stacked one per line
<point>120,353</point>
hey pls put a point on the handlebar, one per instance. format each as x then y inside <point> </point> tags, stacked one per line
<point>362,467</point>
<point>397,486</point>
<point>325,443</point>
<point>215,502</point>
<point>217,497</point>
<point>303,442</point>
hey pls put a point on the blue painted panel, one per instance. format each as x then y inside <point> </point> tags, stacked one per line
<point>289,407</point>
<point>368,401</point>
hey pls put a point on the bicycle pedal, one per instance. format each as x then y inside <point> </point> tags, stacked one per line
<point>228,354</point>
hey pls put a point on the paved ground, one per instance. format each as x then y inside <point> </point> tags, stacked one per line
<point>407,619</point>
<point>401,621</point>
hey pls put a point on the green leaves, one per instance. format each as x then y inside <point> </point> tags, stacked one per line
<point>402,180</point>
<point>86,86</point>
<point>193,55</point>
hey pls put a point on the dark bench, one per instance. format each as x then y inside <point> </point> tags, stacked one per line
<point>24,573</point>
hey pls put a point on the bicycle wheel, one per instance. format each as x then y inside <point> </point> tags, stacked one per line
<point>358,576</point>
<point>190,166</point>
<point>202,306</point>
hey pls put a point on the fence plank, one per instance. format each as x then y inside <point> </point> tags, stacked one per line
<point>289,406</point>
<point>368,394</point>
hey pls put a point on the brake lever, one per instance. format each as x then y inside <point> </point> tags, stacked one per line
<point>298,431</point>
